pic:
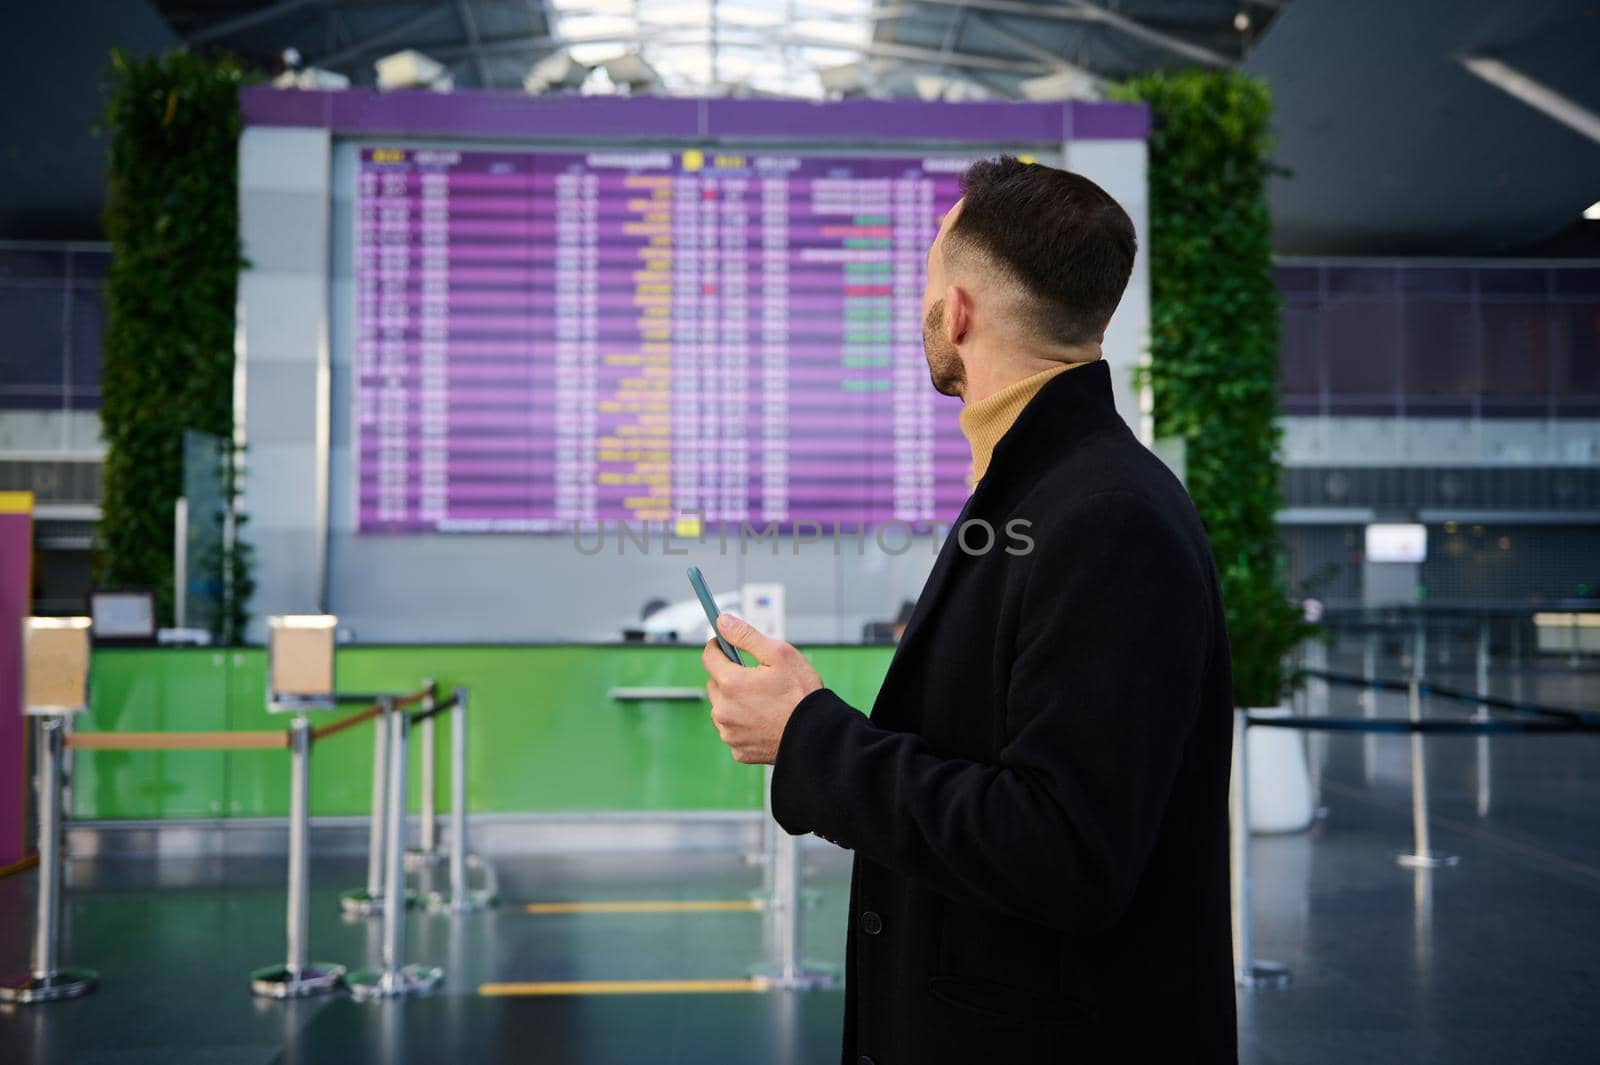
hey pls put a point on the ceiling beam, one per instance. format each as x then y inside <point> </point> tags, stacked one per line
<point>1139,31</point>
<point>1536,94</point>
<point>1037,51</point>
<point>229,26</point>
<point>1050,13</point>
<point>387,35</point>
<point>469,26</point>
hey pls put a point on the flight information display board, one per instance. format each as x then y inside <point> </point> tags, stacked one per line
<point>549,339</point>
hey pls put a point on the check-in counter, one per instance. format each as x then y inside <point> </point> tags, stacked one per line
<point>556,729</point>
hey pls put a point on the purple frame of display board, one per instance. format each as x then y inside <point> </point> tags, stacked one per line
<point>515,115</point>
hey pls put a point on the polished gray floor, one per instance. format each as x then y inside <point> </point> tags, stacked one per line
<point>1495,960</point>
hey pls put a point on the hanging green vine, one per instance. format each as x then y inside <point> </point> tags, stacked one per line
<point>172,219</point>
<point>1214,347</point>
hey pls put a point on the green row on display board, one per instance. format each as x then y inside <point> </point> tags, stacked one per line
<point>545,736</point>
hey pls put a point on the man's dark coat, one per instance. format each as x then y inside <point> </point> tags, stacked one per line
<point>1038,802</point>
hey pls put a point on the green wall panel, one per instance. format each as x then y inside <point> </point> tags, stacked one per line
<point>258,781</point>
<point>545,736</point>
<point>152,691</point>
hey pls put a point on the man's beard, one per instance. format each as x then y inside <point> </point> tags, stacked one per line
<point>945,368</point>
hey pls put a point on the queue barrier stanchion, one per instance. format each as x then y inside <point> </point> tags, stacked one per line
<point>298,976</point>
<point>427,851</point>
<point>1249,972</point>
<point>395,978</point>
<point>1252,973</point>
<point>46,981</point>
<point>1422,855</point>
<point>368,900</point>
<point>788,970</point>
<point>1482,714</point>
<point>766,853</point>
<point>461,898</point>
<point>1555,721</point>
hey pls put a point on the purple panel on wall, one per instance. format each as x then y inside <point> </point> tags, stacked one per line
<point>1107,121</point>
<point>879,121</point>
<point>495,114</point>
<point>263,106</point>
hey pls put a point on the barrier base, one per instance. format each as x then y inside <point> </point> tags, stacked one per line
<point>807,978</point>
<point>1427,861</point>
<point>280,981</point>
<point>471,902</point>
<point>47,987</point>
<point>1262,975</point>
<point>362,903</point>
<point>369,985</point>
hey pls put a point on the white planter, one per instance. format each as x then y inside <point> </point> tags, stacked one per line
<point>1280,779</point>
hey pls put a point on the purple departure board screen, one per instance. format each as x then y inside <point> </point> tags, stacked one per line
<point>547,339</point>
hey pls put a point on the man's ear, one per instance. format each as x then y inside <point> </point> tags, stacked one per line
<point>957,314</point>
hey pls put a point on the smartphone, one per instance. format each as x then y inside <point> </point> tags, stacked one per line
<point>697,581</point>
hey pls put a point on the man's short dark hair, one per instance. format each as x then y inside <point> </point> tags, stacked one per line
<point>1057,234</point>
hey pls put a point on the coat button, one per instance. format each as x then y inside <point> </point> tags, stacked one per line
<point>871,923</point>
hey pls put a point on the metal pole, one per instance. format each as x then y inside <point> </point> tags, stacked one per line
<point>299,917</point>
<point>427,851</point>
<point>765,854</point>
<point>298,976</point>
<point>1482,714</point>
<point>789,971</point>
<point>394,977</point>
<point>180,561</point>
<point>1369,707</point>
<point>1247,971</point>
<point>364,902</point>
<point>428,842</point>
<point>1422,855</point>
<point>375,825</point>
<point>461,898</point>
<point>46,935</point>
<point>394,884</point>
<point>1316,658</point>
<point>46,983</point>
<point>786,908</point>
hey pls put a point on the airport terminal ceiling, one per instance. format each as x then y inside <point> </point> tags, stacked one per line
<point>1349,80</point>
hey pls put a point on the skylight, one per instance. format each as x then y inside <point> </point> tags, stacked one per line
<point>698,46</point>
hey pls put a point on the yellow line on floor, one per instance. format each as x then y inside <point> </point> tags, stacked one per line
<point>659,906</point>
<point>622,987</point>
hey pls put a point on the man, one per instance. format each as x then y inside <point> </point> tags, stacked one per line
<point>1038,802</point>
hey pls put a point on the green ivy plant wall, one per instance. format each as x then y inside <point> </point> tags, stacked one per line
<point>1213,368</point>
<point>172,219</point>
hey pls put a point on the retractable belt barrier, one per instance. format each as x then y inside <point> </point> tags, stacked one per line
<point>1252,973</point>
<point>297,976</point>
<point>1584,720</point>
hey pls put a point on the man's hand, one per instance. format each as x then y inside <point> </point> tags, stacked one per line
<point>750,707</point>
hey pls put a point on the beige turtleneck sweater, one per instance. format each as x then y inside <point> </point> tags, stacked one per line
<point>983,423</point>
